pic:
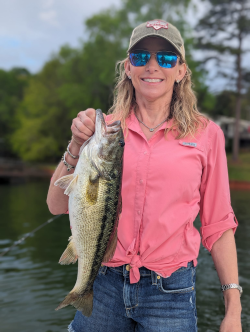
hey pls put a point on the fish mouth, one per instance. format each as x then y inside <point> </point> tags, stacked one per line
<point>113,128</point>
<point>108,143</point>
<point>102,129</point>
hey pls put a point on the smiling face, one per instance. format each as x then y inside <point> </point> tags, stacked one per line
<point>164,78</point>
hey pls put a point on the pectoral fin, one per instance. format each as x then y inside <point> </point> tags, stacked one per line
<point>69,255</point>
<point>67,182</point>
<point>64,181</point>
<point>71,185</point>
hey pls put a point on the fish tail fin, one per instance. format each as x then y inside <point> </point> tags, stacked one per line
<point>82,303</point>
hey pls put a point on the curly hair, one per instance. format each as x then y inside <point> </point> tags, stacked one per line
<point>183,108</point>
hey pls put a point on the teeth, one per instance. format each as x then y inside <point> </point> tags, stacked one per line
<point>151,80</point>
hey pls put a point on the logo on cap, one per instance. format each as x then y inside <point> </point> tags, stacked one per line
<point>157,24</point>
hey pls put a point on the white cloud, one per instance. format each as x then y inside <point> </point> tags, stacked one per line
<point>50,17</point>
<point>31,30</point>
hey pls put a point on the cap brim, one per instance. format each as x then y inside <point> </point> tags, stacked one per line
<point>153,35</point>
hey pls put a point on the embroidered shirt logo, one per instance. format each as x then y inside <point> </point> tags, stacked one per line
<point>157,24</point>
<point>189,144</point>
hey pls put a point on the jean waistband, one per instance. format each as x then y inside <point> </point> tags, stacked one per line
<point>125,268</point>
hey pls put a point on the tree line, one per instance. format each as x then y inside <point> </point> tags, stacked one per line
<point>36,111</point>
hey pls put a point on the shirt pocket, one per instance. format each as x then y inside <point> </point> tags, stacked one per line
<point>192,145</point>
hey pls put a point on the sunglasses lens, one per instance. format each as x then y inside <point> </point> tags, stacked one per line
<point>139,58</point>
<point>167,59</point>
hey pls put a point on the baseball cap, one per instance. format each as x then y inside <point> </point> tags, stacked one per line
<point>158,28</point>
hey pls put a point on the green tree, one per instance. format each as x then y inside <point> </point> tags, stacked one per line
<point>75,79</point>
<point>40,118</point>
<point>12,85</point>
<point>222,31</point>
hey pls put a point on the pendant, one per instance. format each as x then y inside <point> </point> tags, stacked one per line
<point>151,129</point>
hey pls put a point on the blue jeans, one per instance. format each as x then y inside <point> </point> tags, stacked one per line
<point>153,304</point>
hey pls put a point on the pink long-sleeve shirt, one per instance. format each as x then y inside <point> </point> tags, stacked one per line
<point>165,184</point>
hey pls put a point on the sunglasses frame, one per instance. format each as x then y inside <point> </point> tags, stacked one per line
<point>155,54</point>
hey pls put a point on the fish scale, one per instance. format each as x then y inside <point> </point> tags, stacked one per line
<point>94,206</point>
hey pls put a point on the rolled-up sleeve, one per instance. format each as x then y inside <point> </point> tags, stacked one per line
<point>216,212</point>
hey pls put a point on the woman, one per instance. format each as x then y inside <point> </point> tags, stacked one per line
<point>174,167</point>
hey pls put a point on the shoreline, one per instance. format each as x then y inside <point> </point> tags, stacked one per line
<point>239,185</point>
<point>23,172</point>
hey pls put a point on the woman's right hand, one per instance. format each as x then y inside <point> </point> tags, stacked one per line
<point>83,126</point>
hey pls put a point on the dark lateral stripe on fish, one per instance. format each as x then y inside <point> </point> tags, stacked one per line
<point>106,229</point>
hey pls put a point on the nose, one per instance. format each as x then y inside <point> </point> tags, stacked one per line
<point>152,64</point>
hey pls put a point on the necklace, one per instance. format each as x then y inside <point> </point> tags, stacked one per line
<point>151,129</point>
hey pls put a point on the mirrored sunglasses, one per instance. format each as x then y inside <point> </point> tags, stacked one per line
<point>165,59</point>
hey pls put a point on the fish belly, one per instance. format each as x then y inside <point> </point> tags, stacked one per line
<point>92,225</point>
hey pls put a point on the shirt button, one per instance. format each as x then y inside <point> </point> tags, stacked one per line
<point>145,152</point>
<point>141,181</point>
<point>139,212</point>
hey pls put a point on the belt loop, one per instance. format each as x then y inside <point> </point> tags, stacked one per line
<point>154,278</point>
<point>103,269</point>
<point>125,272</point>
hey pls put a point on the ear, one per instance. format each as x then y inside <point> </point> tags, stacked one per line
<point>181,72</point>
<point>127,67</point>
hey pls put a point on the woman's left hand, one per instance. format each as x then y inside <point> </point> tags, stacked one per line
<point>231,323</point>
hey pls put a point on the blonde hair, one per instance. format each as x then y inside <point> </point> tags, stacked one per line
<point>183,108</point>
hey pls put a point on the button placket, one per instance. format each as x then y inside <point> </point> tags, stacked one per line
<point>140,188</point>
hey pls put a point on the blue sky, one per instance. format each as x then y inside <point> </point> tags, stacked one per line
<point>30,30</point>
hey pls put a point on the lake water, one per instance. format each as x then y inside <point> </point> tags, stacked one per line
<point>32,283</point>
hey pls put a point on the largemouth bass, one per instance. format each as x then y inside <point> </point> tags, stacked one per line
<point>94,191</point>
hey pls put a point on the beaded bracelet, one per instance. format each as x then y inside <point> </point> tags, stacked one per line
<point>69,167</point>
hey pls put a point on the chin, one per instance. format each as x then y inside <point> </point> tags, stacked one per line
<point>152,96</point>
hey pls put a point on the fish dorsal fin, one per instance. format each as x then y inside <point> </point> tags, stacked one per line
<point>84,144</point>
<point>69,255</point>
<point>67,182</point>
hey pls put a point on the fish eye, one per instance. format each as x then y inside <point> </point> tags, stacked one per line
<point>121,143</point>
